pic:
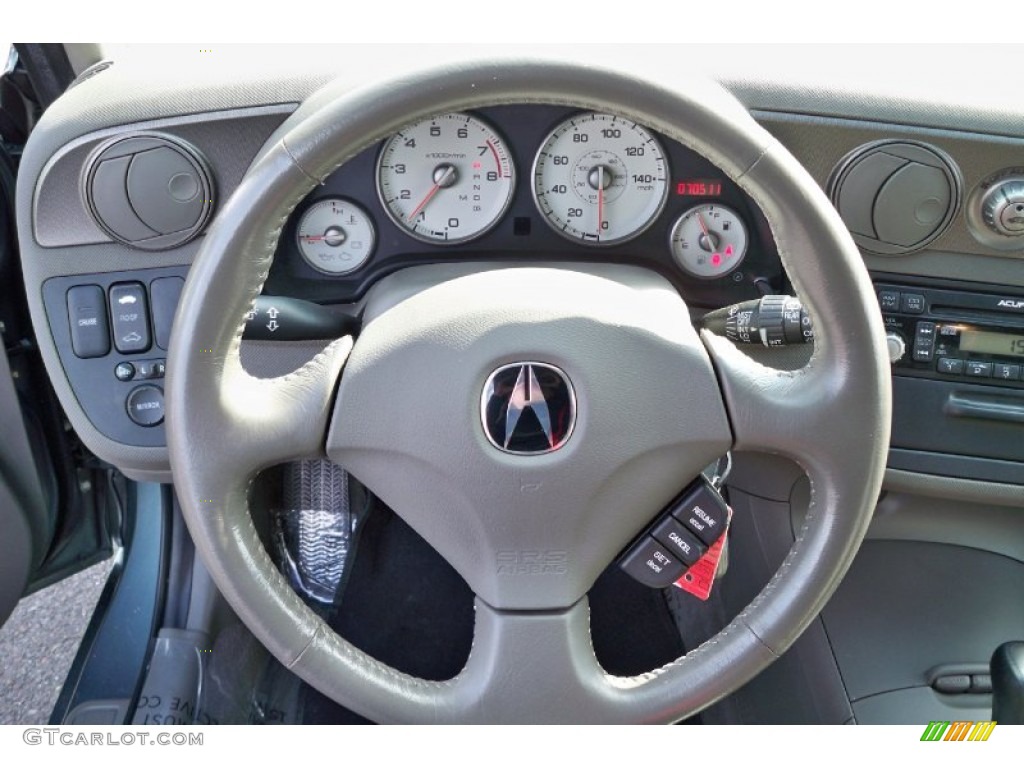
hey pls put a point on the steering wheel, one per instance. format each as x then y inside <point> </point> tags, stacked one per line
<point>656,402</point>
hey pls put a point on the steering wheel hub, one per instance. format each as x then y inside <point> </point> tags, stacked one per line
<point>649,417</point>
<point>516,392</point>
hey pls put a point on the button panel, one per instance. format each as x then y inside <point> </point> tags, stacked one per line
<point>103,380</point>
<point>679,539</point>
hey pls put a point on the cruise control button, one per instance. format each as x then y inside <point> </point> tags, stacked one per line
<point>87,314</point>
<point>1006,372</point>
<point>950,365</point>
<point>704,512</point>
<point>978,369</point>
<point>651,563</point>
<point>129,315</point>
<point>145,405</point>
<point>683,544</point>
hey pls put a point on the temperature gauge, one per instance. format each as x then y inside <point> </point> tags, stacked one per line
<point>709,241</point>
<point>335,236</point>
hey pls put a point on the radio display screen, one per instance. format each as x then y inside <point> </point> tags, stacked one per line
<point>990,343</point>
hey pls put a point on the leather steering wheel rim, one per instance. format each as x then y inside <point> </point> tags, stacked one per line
<point>832,416</point>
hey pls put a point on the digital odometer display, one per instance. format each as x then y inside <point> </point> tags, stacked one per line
<point>699,187</point>
<point>990,343</point>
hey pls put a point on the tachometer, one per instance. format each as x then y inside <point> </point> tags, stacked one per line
<point>600,179</point>
<point>446,179</point>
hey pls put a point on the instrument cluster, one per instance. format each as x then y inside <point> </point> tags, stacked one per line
<point>528,183</point>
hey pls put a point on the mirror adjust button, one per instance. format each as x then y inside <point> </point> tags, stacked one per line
<point>704,512</point>
<point>130,317</point>
<point>150,369</point>
<point>145,405</point>
<point>87,315</point>
<point>652,564</point>
<point>680,541</point>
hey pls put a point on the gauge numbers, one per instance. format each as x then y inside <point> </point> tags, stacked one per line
<point>600,179</point>
<point>446,179</point>
<point>335,236</point>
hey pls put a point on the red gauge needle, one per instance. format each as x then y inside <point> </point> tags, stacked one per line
<point>707,232</point>
<point>449,171</point>
<point>600,199</point>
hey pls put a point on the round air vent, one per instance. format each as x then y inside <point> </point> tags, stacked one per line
<point>149,191</point>
<point>896,196</point>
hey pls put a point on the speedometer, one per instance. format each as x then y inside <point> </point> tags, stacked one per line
<point>600,178</point>
<point>446,179</point>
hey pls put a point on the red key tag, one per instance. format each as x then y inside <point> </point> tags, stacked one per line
<point>700,577</point>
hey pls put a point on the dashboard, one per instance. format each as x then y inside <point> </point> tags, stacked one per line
<point>928,188</point>
<point>528,183</point>
<point>218,122</point>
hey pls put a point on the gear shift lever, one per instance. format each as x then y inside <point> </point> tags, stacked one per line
<point>1008,684</point>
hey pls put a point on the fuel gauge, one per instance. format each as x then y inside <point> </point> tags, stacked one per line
<point>709,241</point>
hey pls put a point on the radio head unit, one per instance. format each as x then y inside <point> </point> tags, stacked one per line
<point>954,335</point>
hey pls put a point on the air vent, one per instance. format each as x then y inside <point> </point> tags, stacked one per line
<point>149,191</point>
<point>896,196</point>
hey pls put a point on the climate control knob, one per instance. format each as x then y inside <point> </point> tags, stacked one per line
<point>1002,207</point>
<point>896,346</point>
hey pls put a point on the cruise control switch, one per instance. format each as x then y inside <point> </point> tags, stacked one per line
<point>281,318</point>
<point>684,543</point>
<point>772,321</point>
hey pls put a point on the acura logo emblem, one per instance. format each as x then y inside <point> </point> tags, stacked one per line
<point>528,408</point>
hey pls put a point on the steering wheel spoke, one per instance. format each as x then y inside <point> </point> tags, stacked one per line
<point>774,410</point>
<point>290,413</point>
